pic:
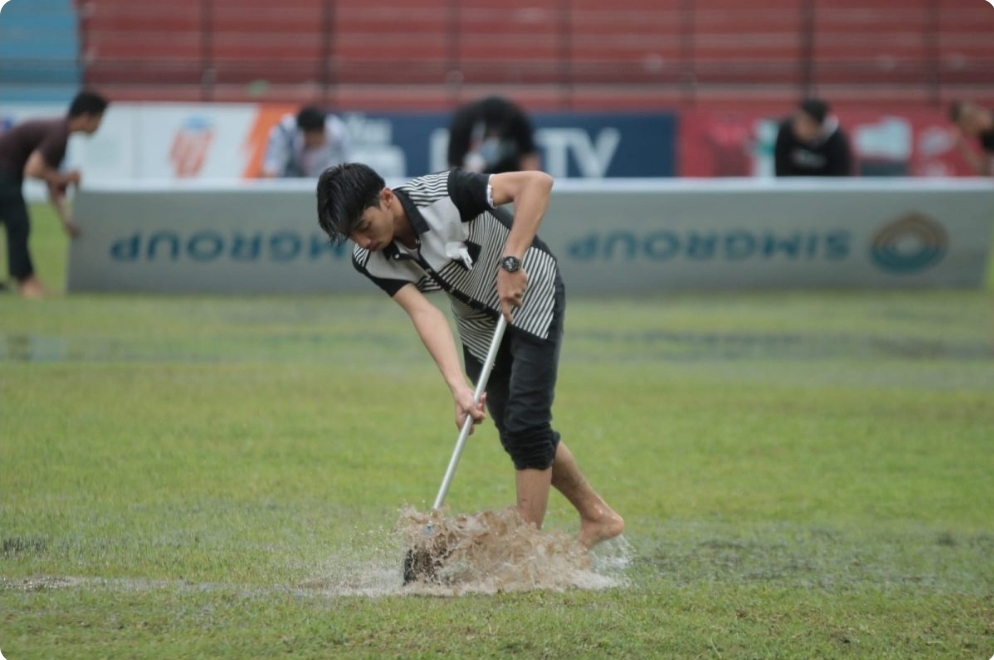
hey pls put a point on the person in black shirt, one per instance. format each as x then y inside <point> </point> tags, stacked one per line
<point>811,143</point>
<point>972,122</point>
<point>36,149</point>
<point>490,136</point>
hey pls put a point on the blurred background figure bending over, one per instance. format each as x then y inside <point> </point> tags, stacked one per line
<point>492,135</point>
<point>35,149</point>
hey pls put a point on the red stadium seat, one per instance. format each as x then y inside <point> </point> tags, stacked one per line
<point>633,53</point>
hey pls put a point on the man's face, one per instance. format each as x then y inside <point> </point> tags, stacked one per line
<point>314,139</point>
<point>91,123</point>
<point>805,127</point>
<point>375,229</point>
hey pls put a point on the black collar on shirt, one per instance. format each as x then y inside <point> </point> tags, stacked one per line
<point>391,252</point>
<point>414,216</point>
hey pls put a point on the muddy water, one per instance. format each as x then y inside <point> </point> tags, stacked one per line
<point>497,551</point>
<point>483,553</point>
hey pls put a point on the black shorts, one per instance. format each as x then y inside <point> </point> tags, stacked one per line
<point>521,390</point>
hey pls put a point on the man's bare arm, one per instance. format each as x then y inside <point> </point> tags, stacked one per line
<point>37,168</point>
<point>435,333</point>
<point>530,193</point>
<point>56,181</point>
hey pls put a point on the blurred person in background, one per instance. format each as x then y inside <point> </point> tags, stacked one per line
<point>36,149</point>
<point>811,143</point>
<point>972,122</point>
<point>490,136</point>
<point>305,145</point>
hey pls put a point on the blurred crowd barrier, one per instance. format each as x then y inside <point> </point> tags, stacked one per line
<point>610,236</point>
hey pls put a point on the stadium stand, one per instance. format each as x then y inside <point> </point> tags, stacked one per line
<point>579,54</point>
<point>39,51</point>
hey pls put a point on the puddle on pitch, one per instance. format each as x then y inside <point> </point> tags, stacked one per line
<point>674,346</point>
<point>691,346</point>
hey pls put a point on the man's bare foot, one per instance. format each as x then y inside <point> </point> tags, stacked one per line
<point>606,524</point>
<point>31,288</point>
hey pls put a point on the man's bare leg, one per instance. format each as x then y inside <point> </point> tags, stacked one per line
<point>598,522</point>
<point>533,494</point>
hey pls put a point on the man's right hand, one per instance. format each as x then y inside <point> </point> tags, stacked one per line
<point>465,406</point>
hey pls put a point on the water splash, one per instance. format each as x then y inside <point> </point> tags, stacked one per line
<point>488,552</point>
<point>497,551</point>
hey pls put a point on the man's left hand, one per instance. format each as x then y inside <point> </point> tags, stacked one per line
<point>511,290</point>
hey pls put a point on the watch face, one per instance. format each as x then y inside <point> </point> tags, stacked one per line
<point>510,264</point>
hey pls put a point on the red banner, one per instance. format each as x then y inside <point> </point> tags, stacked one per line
<point>916,142</point>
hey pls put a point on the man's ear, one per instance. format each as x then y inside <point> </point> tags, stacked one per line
<point>386,198</point>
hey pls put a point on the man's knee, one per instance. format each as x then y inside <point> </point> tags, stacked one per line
<point>531,449</point>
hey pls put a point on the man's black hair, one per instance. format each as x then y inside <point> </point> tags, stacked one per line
<point>87,103</point>
<point>816,109</point>
<point>310,119</point>
<point>344,192</point>
<point>956,111</point>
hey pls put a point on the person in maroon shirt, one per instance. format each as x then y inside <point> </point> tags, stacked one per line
<point>35,149</point>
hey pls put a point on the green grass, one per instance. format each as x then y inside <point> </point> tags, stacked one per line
<point>803,476</point>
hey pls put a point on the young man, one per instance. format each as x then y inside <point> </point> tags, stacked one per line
<point>492,135</point>
<point>972,122</point>
<point>36,149</point>
<point>305,145</point>
<point>811,143</point>
<point>445,232</point>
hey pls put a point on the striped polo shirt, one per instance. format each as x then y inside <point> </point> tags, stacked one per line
<point>460,239</point>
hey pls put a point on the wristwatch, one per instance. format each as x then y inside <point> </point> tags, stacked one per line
<point>510,264</point>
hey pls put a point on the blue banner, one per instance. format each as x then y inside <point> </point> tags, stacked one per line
<point>575,145</point>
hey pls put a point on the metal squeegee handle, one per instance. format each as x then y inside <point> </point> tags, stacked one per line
<point>481,387</point>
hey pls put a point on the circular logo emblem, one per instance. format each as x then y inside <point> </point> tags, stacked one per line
<point>910,244</point>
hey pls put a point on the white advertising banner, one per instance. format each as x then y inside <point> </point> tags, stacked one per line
<point>202,141</point>
<point>158,141</point>
<point>609,236</point>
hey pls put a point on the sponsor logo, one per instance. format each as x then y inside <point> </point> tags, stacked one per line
<point>910,244</point>
<point>735,246</point>
<point>213,246</point>
<point>190,147</point>
<point>591,155</point>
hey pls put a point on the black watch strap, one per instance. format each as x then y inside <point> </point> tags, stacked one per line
<point>510,264</point>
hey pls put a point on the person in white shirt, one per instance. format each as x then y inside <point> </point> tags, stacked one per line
<point>305,145</point>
